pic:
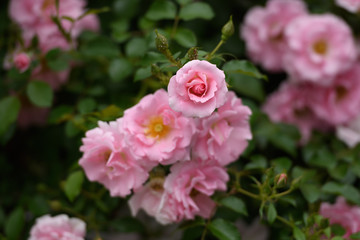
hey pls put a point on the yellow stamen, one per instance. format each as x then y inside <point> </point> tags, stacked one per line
<point>156,128</point>
<point>320,47</point>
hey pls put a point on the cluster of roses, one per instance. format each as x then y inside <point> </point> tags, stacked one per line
<point>35,20</point>
<point>319,54</point>
<point>179,128</point>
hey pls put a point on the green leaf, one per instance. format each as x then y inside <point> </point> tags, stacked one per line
<point>100,46</point>
<point>14,224</point>
<point>60,113</point>
<point>244,78</point>
<point>235,204</point>
<point>281,164</point>
<point>40,93</point>
<point>128,224</point>
<point>338,230</point>
<point>185,37</point>
<point>9,109</point>
<point>57,60</point>
<point>38,205</point>
<point>348,191</point>
<point>142,73</point>
<point>136,47</point>
<point>120,69</point>
<point>257,162</point>
<point>196,10</point>
<point>73,185</point>
<point>310,191</point>
<point>338,238</point>
<point>355,235</point>
<point>70,129</point>
<point>86,105</point>
<point>161,9</point>
<point>271,213</point>
<point>224,230</point>
<point>298,234</point>
<point>184,2</point>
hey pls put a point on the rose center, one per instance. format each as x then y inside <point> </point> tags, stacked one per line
<point>198,89</point>
<point>340,92</point>
<point>156,128</point>
<point>46,4</point>
<point>320,47</point>
<point>302,112</point>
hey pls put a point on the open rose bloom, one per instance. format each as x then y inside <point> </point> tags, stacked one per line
<point>59,227</point>
<point>197,89</point>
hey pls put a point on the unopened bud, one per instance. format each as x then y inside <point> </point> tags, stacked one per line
<point>281,179</point>
<point>161,42</point>
<point>227,30</point>
<point>22,61</point>
<point>192,54</point>
<point>55,205</point>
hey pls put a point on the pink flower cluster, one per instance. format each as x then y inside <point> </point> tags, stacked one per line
<point>343,214</point>
<point>59,227</point>
<point>127,155</point>
<point>319,54</point>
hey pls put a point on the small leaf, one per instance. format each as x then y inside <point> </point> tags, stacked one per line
<point>310,191</point>
<point>136,47</point>
<point>184,2</point>
<point>185,37</point>
<point>57,60</point>
<point>142,73</point>
<point>9,109</point>
<point>196,10</point>
<point>14,224</point>
<point>338,230</point>
<point>100,46</point>
<point>161,9</point>
<point>271,213</point>
<point>40,93</point>
<point>298,234</point>
<point>355,235</point>
<point>235,204</point>
<point>86,105</point>
<point>224,230</point>
<point>120,69</point>
<point>73,185</point>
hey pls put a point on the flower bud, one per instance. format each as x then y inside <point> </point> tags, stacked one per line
<point>281,179</point>
<point>55,205</point>
<point>161,42</point>
<point>22,61</point>
<point>227,30</point>
<point>192,54</point>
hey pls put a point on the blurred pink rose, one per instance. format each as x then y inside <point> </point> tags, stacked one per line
<point>59,227</point>
<point>263,31</point>
<point>224,135</point>
<point>107,160</point>
<point>197,89</point>
<point>319,48</point>
<point>343,214</point>
<point>340,102</point>
<point>54,79</point>
<point>34,18</point>
<point>290,104</point>
<point>189,187</point>
<point>156,132</point>
<point>350,5</point>
<point>22,61</point>
<point>349,133</point>
<point>30,115</point>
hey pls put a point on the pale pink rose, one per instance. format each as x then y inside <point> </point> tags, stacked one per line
<point>107,160</point>
<point>34,18</point>
<point>350,5</point>
<point>22,61</point>
<point>156,132</point>
<point>340,102</point>
<point>197,89</point>
<point>189,187</point>
<point>224,135</point>
<point>349,133</point>
<point>290,104</point>
<point>263,31</point>
<point>59,227</point>
<point>343,214</point>
<point>319,48</point>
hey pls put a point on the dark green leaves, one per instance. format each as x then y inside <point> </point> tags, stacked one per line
<point>15,224</point>
<point>185,37</point>
<point>298,234</point>
<point>271,213</point>
<point>73,185</point>
<point>100,47</point>
<point>161,9</point>
<point>196,10</point>
<point>57,60</point>
<point>224,230</point>
<point>235,204</point>
<point>40,93</point>
<point>9,109</point>
<point>120,69</point>
<point>348,191</point>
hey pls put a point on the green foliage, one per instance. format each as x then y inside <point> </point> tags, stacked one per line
<point>161,9</point>
<point>9,109</point>
<point>14,224</point>
<point>196,10</point>
<point>235,204</point>
<point>40,93</point>
<point>224,230</point>
<point>73,185</point>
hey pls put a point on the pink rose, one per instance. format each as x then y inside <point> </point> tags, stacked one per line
<point>107,160</point>
<point>59,227</point>
<point>22,61</point>
<point>349,133</point>
<point>350,5</point>
<point>54,79</point>
<point>224,135</point>
<point>291,104</point>
<point>339,103</point>
<point>156,132</point>
<point>263,31</point>
<point>189,187</point>
<point>197,89</point>
<point>343,214</point>
<point>319,48</point>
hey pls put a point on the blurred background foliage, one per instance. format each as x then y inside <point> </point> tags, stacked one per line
<point>111,71</point>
